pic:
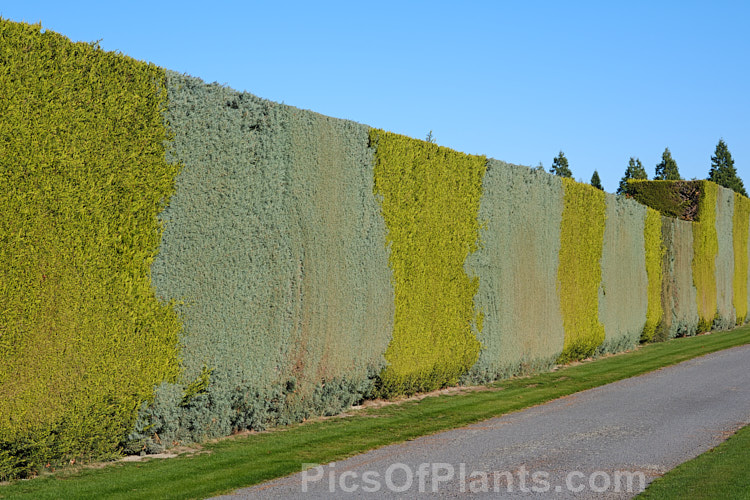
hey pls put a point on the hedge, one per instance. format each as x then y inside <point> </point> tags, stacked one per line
<point>303,262</point>
<point>430,202</point>
<point>725,313</point>
<point>654,255</point>
<point>672,198</point>
<point>678,290</point>
<point>579,272</point>
<point>705,249</point>
<point>274,245</point>
<point>623,293</point>
<point>522,329</point>
<point>740,222</point>
<point>83,339</point>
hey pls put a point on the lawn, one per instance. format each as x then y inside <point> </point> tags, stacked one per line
<point>250,459</point>
<point>723,472</point>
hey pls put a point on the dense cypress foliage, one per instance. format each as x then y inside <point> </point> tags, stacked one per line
<point>654,255</point>
<point>671,198</point>
<point>579,272</point>
<point>623,293</point>
<point>678,292</point>
<point>430,202</point>
<point>274,246</point>
<point>303,262</point>
<point>740,221</point>
<point>725,313</point>
<point>522,328</point>
<point>83,339</point>
<point>705,249</point>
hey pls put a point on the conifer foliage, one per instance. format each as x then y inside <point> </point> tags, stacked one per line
<point>596,181</point>
<point>667,170</point>
<point>560,166</point>
<point>722,170</point>
<point>635,170</point>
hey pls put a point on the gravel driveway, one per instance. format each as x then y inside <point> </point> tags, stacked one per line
<point>607,442</point>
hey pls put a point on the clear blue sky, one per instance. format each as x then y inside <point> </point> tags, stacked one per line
<point>517,81</point>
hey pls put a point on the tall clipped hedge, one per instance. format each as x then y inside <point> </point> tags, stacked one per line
<point>654,256</point>
<point>579,273</point>
<point>83,339</point>
<point>274,245</point>
<point>623,297</point>
<point>516,263</point>
<point>725,314</point>
<point>672,198</point>
<point>740,227</point>
<point>705,249</point>
<point>678,292</point>
<point>430,201</point>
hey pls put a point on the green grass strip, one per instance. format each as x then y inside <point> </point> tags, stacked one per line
<point>723,472</point>
<point>248,460</point>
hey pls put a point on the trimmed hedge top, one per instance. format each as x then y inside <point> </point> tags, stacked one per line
<point>672,198</point>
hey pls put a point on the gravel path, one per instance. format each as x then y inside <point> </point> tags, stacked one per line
<point>587,445</point>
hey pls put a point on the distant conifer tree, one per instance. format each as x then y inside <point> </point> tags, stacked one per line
<point>667,170</point>
<point>595,181</point>
<point>560,166</point>
<point>635,170</point>
<point>722,170</point>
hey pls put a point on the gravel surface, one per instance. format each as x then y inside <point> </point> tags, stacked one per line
<point>585,445</point>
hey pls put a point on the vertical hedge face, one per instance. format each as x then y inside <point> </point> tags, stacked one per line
<point>83,339</point>
<point>705,249</point>
<point>740,222</point>
<point>725,314</point>
<point>274,244</point>
<point>430,202</point>
<point>678,291</point>
<point>654,257</point>
<point>517,260</point>
<point>623,294</point>
<point>579,272</point>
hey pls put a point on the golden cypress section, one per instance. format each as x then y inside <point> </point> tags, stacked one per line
<point>654,255</point>
<point>579,273</point>
<point>430,202</point>
<point>705,249</point>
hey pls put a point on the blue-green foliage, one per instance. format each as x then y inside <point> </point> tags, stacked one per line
<point>725,313</point>
<point>522,329</point>
<point>274,245</point>
<point>678,294</point>
<point>623,297</point>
